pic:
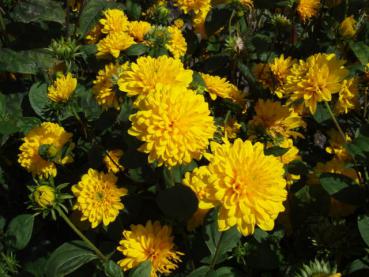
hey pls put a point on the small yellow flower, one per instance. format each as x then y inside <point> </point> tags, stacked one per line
<point>148,73</point>
<point>337,145</point>
<point>276,120</point>
<point>103,87</point>
<point>151,242</point>
<point>113,44</point>
<point>248,185</point>
<point>98,197</point>
<point>44,196</point>
<point>138,30</point>
<point>348,27</point>
<point>175,125</point>
<point>197,6</point>
<point>62,88</point>
<point>292,153</point>
<point>178,23</point>
<point>94,34</point>
<point>231,128</point>
<point>308,9</point>
<point>111,160</point>
<point>49,134</point>
<point>281,68</point>
<point>177,44</point>
<point>348,96</point>
<point>114,21</point>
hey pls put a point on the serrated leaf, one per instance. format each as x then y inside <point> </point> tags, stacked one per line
<point>67,258</point>
<point>20,230</point>
<point>143,270</point>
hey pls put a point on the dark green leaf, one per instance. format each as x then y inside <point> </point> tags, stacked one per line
<point>112,269</point>
<point>361,51</point>
<point>228,271</point>
<point>20,230</point>
<point>136,50</point>
<point>143,270</point>
<point>360,145</point>
<point>67,258</point>
<point>178,202</point>
<point>200,271</point>
<point>276,151</point>
<point>297,167</point>
<point>133,10</point>
<point>26,62</point>
<point>38,98</point>
<point>321,113</point>
<point>27,11</point>
<point>363,225</point>
<point>125,110</point>
<point>358,265</point>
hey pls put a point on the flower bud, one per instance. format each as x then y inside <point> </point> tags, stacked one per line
<point>44,196</point>
<point>348,27</point>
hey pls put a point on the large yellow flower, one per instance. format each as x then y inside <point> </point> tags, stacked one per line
<point>103,88</point>
<point>62,88</point>
<point>175,124</point>
<point>249,186</point>
<point>98,197</point>
<point>308,9</point>
<point>54,138</point>
<point>114,21</point>
<point>348,96</point>
<point>276,120</point>
<point>151,242</point>
<point>111,160</point>
<point>138,30</point>
<point>113,44</point>
<point>148,73</point>
<point>348,27</point>
<point>316,79</point>
<point>177,44</point>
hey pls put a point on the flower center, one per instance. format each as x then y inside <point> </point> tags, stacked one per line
<point>100,195</point>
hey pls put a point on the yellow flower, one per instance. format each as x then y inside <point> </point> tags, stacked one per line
<point>276,119</point>
<point>348,27</point>
<point>198,22</point>
<point>62,88</point>
<point>263,75</point>
<point>44,196</point>
<point>148,73</point>
<point>348,96</point>
<point>247,3</point>
<point>316,79</point>
<point>308,9</point>
<point>178,23</point>
<point>94,34</point>
<point>249,186</point>
<point>337,145</point>
<point>47,134</point>
<point>113,44</point>
<point>103,87</point>
<point>281,68</point>
<point>217,86</point>
<point>231,128</point>
<point>111,160</point>
<point>197,6</point>
<point>292,153</point>
<point>334,166</point>
<point>138,30</point>
<point>175,125</point>
<point>115,21</point>
<point>98,197</point>
<point>151,242</point>
<point>177,44</point>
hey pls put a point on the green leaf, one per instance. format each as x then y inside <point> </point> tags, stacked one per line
<point>133,10</point>
<point>26,62</point>
<point>90,15</point>
<point>228,271</point>
<point>36,268</point>
<point>20,230</point>
<point>357,265</point>
<point>86,103</point>
<point>136,50</point>
<point>297,167</point>
<point>359,147</point>
<point>125,110</point>
<point>38,98</point>
<point>143,270</point>
<point>200,271</point>
<point>27,11</point>
<point>363,225</point>
<point>178,202</point>
<point>276,151</point>
<point>112,269</point>
<point>361,51</point>
<point>321,113</point>
<point>67,258</point>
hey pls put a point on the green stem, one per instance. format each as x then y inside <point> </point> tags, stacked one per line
<point>335,122</point>
<point>82,236</point>
<point>216,255</point>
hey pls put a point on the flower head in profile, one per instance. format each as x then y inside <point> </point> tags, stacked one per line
<point>42,149</point>
<point>111,160</point>
<point>348,96</point>
<point>316,79</point>
<point>177,44</point>
<point>348,27</point>
<point>150,242</point>
<point>98,197</point>
<point>138,30</point>
<point>103,87</point>
<point>275,119</point>
<point>175,125</point>
<point>44,196</point>
<point>308,9</point>
<point>62,88</point>
<point>248,185</point>
<point>148,73</point>
<point>114,43</point>
<point>114,21</point>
